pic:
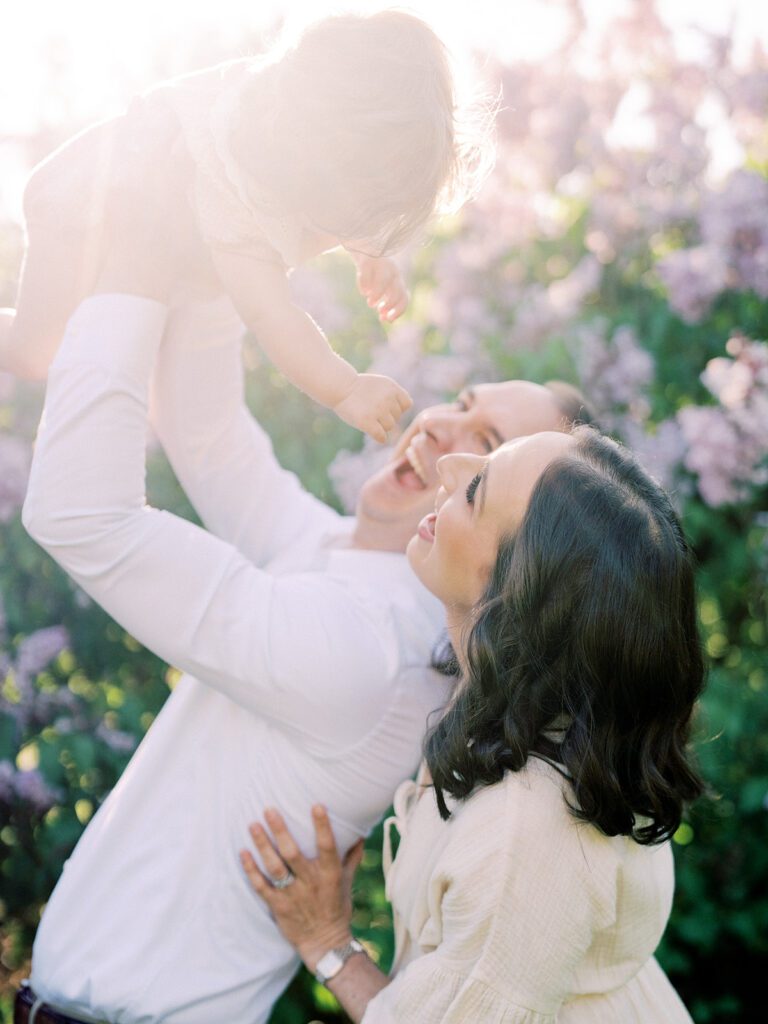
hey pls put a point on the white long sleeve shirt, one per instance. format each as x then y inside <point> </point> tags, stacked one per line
<point>305,658</point>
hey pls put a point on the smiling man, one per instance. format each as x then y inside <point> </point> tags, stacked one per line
<point>303,634</point>
<point>392,501</point>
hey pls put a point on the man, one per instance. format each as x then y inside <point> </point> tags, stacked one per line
<point>304,634</point>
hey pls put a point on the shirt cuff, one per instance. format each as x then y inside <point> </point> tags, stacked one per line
<point>120,333</point>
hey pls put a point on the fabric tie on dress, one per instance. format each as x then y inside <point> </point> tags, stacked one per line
<point>406,795</point>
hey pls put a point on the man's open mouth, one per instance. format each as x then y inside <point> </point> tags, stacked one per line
<point>410,473</point>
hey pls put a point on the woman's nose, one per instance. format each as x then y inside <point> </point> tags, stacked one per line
<point>453,468</point>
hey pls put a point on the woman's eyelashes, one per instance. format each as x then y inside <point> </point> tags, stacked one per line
<point>472,487</point>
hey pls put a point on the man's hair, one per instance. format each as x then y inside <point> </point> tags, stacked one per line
<point>589,618</point>
<point>367,130</point>
<point>575,408</point>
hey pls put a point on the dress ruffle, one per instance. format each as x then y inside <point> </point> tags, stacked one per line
<point>432,994</point>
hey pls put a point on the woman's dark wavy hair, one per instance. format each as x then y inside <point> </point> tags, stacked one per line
<point>589,613</point>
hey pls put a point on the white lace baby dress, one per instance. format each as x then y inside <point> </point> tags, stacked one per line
<point>70,192</point>
<point>232,212</point>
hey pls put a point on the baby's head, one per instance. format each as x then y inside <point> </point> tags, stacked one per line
<point>365,142</point>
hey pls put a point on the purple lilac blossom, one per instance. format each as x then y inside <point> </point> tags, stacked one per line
<point>713,452</point>
<point>15,456</point>
<point>728,443</point>
<point>7,776</point>
<point>693,279</point>
<point>567,295</point>
<point>40,648</point>
<point>614,369</point>
<point>117,740</point>
<point>31,787</point>
<point>735,221</point>
<point>660,450</point>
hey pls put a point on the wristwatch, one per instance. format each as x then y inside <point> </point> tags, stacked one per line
<point>329,965</point>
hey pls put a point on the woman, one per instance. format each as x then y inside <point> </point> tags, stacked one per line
<point>534,882</point>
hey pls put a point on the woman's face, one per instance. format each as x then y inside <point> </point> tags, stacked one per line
<point>481,500</point>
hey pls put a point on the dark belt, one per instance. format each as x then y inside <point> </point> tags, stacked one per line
<point>25,1000</point>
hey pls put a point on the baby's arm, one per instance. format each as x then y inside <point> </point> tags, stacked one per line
<point>381,284</point>
<point>296,345</point>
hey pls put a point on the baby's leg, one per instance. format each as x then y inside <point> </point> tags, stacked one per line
<point>58,272</point>
<point>64,206</point>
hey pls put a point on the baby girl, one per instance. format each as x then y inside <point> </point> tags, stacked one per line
<point>347,139</point>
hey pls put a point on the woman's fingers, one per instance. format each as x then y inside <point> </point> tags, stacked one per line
<point>281,853</point>
<point>352,862</point>
<point>327,854</point>
<point>271,859</point>
<point>284,841</point>
<point>255,877</point>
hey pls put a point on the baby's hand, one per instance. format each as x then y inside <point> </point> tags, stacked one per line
<point>374,405</point>
<point>380,283</point>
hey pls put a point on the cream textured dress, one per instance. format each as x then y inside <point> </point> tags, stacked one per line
<point>513,912</point>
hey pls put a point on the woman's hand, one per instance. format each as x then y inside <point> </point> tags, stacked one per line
<point>313,910</point>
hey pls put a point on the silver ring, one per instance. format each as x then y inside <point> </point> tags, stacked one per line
<point>285,881</point>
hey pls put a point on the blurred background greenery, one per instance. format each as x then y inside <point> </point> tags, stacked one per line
<point>622,244</point>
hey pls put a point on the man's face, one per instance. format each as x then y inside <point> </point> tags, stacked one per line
<point>481,418</point>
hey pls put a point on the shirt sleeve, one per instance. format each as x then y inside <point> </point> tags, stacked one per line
<point>508,917</point>
<point>294,647</point>
<point>220,454</point>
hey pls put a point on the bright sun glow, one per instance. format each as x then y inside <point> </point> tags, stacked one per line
<point>106,46</point>
<point>104,51</point>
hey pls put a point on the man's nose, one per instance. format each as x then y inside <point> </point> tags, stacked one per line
<point>440,427</point>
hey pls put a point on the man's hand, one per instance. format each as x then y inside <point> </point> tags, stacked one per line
<point>380,283</point>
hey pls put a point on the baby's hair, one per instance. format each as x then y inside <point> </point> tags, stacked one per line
<point>367,141</point>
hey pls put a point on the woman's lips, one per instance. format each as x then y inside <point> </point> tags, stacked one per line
<point>426,528</point>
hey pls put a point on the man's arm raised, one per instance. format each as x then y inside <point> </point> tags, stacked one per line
<point>221,455</point>
<point>292,648</point>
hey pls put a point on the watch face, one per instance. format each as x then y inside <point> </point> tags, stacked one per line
<point>330,964</point>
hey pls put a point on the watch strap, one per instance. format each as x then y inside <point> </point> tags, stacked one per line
<point>329,965</point>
